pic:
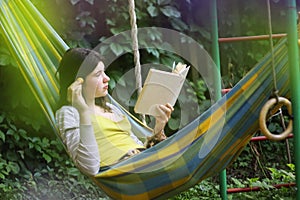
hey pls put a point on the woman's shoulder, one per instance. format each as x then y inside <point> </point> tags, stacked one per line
<point>115,109</point>
<point>67,111</point>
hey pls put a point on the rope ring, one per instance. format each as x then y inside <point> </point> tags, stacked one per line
<point>274,105</point>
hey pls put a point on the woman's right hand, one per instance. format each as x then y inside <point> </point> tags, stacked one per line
<point>74,95</point>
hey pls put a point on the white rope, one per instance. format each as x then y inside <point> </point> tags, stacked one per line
<point>271,47</point>
<point>135,46</point>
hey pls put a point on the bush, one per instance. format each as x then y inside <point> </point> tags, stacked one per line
<point>38,168</point>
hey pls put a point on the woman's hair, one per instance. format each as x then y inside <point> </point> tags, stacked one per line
<point>75,63</point>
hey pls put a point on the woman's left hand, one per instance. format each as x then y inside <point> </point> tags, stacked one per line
<point>163,117</point>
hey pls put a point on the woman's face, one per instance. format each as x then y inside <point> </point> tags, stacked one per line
<point>96,83</point>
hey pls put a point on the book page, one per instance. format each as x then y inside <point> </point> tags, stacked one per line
<point>160,88</point>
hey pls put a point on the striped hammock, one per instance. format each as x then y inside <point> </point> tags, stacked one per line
<point>199,150</point>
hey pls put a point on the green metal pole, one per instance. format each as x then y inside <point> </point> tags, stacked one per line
<point>295,84</point>
<point>217,80</point>
<point>215,49</point>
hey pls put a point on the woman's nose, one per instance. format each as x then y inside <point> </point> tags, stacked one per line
<point>106,78</point>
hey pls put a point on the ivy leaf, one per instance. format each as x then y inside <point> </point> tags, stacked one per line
<point>21,153</point>
<point>291,166</point>
<point>153,52</point>
<point>103,49</point>
<point>73,171</point>
<point>2,136</point>
<point>170,11</point>
<point>38,148</point>
<point>173,123</point>
<point>110,22</point>
<point>272,127</point>
<point>10,132</point>
<point>116,48</point>
<point>163,2</point>
<point>90,2</point>
<point>2,116</point>
<point>121,81</point>
<point>30,145</point>
<point>4,59</point>
<point>152,10</point>
<point>91,21</point>
<point>22,133</point>
<point>14,167</point>
<point>112,83</point>
<point>13,157</point>
<point>178,24</point>
<point>2,177</point>
<point>47,157</point>
<point>73,2</point>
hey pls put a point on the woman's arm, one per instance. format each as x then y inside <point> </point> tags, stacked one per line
<point>161,120</point>
<point>79,140</point>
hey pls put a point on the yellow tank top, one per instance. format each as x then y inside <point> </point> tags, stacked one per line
<point>113,139</point>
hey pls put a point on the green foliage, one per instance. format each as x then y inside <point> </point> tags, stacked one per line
<point>206,189</point>
<point>209,188</point>
<point>38,168</point>
<point>5,58</point>
<point>198,92</point>
<point>236,19</point>
<point>16,97</point>
<point>267,185</point>
<point>85,23</point>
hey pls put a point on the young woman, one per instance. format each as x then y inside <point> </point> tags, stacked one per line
<point>94,131</point>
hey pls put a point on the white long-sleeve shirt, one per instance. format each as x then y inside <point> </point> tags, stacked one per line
<point>80,139</point>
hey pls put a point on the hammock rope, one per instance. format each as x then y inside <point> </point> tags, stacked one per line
<point>135,48</point>
<point>135,45</point>
<point>272,48</point>
<point>276,103</point>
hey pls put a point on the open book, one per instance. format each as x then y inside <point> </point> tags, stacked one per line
<point>161,87</point>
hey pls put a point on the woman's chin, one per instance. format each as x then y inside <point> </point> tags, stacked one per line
<point>103,94</point>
